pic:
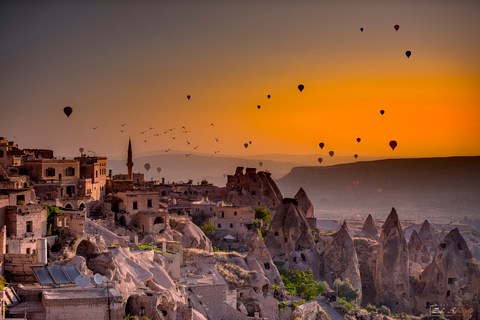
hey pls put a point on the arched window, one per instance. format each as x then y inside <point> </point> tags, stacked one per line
<point>158,220</point>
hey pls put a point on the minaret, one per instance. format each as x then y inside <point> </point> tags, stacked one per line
<point>129,160</point>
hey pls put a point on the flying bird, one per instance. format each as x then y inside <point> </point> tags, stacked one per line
<point>143,132</point>
<point>216,151</point>
<point>95,128</point>
<point>195,147</point>
<point>189,154</point>
<point>188,142</point>
<point>123,125</point>
<point>167,150</point>
<point>216,139</point>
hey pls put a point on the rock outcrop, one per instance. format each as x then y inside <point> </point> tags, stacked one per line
<point>417,251</point>
<point>391,276</point>
<point>290,240</point>
<point>253,189</point>
<point>369,229</point>
<point>452,278</point>
<point>367,262</point>
<point>304,203</point>
<point>259,259</point>
<point>428,237</point>
<point>187,233</point>
<point>339,259</point>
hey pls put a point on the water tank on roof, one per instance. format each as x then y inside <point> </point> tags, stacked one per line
<point>42,251</point>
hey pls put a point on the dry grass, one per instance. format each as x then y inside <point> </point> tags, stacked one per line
<point>235,276</point>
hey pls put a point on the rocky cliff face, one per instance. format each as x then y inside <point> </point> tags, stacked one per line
<point>417,251</point>
<point>253,189</point>
<point>452,278</point>
<point>427,234</point>
<point>259,259</point>
<point>369,229</point>
<point>391,278</point>
<point>304,203</point>
<point>290,241</point>
<point>367,262</point>
<point>339,259</point>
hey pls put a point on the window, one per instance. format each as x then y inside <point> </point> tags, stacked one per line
<point>20,200</point>
<point>231,225</point>
<point>96,173</point>
<point>1,153</point>
<point>67,221</point>
<point>234,213</point>
<point>29,226</point>
<point>135,205</point>
<point>59,222</point>
<point>219,225</point>
<point>50,172</point>
<point>253,193</point>
<point>28,250</point>
<point>70,171</point>
<point>149,203</point>
<point>223,214</point>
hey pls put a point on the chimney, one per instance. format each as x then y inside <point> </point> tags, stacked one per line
<point>110,174</point>
<point>163,180</point>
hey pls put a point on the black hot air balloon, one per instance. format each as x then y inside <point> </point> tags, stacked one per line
<point>321,144</point>
<point>356,156</point>
<point>147,166</point>
<point>361,29</point>
<point>393,144</point>
<point>300,87</point>
<point>260,163</point>
<point>396,27</point>
<point>382,112</point>
<point>331,153</point>
<point>268,96</point>
<point>408,53</point>
<point>320,160</point>
<point>358,140</point>
<point>81,150</point>
<point>159,169</point>
<point>258,107</point>
<point>188,97</point>
<point>68,111</point>
<point>245,145</point>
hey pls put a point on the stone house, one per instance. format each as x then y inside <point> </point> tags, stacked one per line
<point>70,222</point>
<point>93,175</point>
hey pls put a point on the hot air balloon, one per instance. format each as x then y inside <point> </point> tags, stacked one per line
<point>396,27</point>
<point>188,97</point>
<point>159,169</point>
<point>268,96</point>
<point>320,160</point>
<point>81,150</point>
<point>361,29</point>
<point>250,142</point>
<point>258,107</point>
<point>355,183</point>
<point>358,139</point>
<point>379,190</point>
<point>382,112</point>
<point>245,145</point>
<point>147,166</point>
<point>348,187</point>
<point>331,153</point>
<point>392,144</point>
<point>355,156</point>
<point>408,53</point>
<point>321,144</point>
<point>300,87</point>
<point>68,111</point>
<point>260,163</point>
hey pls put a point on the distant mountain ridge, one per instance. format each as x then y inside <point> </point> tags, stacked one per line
<point>448,187</point>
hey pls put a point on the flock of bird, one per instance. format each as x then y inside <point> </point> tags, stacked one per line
<point>68,111</point>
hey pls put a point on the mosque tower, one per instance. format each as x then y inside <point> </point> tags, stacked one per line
<point>130,161</point>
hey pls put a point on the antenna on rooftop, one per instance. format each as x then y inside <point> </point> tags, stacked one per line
<point>82,280</point>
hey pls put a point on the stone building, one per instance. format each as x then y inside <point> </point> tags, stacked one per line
<point>71,222</point>
<point>93,172</point>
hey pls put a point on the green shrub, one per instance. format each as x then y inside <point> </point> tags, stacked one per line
<point>281,306</point>
<point>371,308</point>
<point>346,290</point>
<point>3,282</point>
<point>384,310</point>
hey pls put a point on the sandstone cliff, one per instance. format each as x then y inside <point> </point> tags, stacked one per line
<point>369,229</point>
<point>427,234</point>
<point>391,278</point>
<point>367,262</point>
<point>417,251</point>
<point>452,278</point>
<point>290,240</point>
<point>339,259</point>
<point>304,203</point>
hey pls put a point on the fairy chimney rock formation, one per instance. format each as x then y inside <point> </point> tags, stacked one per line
<point>428,237</point>
<point>453,277</point>
<point>290,241</point>
<point>340,259</point>
<point>417,251</point>
<point>304,203</point>
<point>369,229</point>
<point>253,189</point>
<point>391,276</point>
<point>259,259</point>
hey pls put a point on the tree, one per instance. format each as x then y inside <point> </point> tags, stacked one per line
<point>262,213</point>
<point>346,290</point>
<point>208,228</point>
<point>301,283</point>
<point>204,182</point>
<point>190,181</point>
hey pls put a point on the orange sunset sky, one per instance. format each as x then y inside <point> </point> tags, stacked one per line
<point>135,62</point>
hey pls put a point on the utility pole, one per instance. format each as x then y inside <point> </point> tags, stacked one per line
<point>108,300</point>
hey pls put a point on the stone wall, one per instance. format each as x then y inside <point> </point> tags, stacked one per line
<point>18,216</point>
<point>213,298</point>
<point>18,267</point>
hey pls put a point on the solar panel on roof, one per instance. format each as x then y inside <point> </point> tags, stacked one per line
<point>43,276</point>
<point>58,275</point>
<point>72,272</point>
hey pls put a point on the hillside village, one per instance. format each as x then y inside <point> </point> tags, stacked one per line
<point>79,241</point>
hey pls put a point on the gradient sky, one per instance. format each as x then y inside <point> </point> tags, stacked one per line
<point>134,62</point>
